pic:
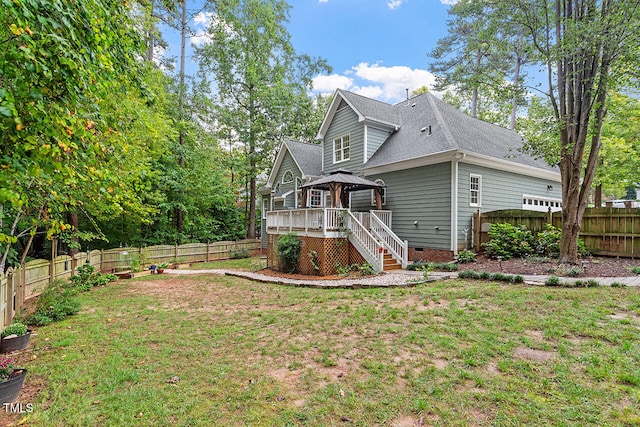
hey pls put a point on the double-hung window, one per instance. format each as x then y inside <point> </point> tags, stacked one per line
<point>475,190</point>
<point>341,149</point>
<point>315,198</point>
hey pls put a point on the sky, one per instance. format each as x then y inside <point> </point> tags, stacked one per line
<point>377,48</point>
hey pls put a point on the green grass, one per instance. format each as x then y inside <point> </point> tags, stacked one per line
<point>250,264</point>
<point>257,354</point>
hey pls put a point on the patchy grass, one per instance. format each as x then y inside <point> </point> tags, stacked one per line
<point>202,351</point>
<point>248,264</point>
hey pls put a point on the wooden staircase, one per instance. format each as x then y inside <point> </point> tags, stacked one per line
<point>390,263</point>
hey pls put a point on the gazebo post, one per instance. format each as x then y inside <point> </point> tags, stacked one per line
<point>378,199</point>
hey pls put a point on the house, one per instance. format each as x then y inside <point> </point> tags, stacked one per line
<point>435,167</point>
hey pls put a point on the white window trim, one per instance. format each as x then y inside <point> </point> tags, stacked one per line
<point>541,203</point>
<point>471,191</point>
<point>384,193</point>
<point>341,139</point>
<point>285,174</point>
<point>310,198</point>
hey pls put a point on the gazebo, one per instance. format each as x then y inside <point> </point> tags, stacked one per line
<point>339,184</point>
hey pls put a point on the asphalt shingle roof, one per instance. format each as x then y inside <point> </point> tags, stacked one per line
<point>308,156</point>
<point>428,126</point>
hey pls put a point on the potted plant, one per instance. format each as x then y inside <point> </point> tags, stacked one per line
<point>161,267</point>
<point>14,337</point>
<point>11,380</point>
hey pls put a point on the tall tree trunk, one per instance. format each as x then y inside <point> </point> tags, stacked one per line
<point>179,214</point>
<point>474,93</point>
<point>251,229</point>
<point>514,100</point>
<point>151,39</point>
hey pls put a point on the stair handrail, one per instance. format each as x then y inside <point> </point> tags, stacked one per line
<point>398,248</point>
<point>366,243</point>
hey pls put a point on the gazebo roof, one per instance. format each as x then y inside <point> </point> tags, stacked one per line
<point>348,180</point>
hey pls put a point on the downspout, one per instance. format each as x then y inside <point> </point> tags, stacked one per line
<point>454,201</point>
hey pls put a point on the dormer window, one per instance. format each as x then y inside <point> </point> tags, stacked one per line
<point>341,149</point>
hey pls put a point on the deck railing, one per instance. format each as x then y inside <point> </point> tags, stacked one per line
<point>324,220</point>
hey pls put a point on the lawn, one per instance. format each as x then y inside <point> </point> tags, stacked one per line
<point>210,350</point>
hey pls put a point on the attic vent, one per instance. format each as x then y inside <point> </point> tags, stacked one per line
<point>426,129</point>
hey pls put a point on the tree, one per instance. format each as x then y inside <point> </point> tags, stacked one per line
<point>59,60</point>
<point>480,61</point>
<point>587,47</point>
<point>262,84</point>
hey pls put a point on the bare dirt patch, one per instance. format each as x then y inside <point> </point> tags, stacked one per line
<point>533,355</point>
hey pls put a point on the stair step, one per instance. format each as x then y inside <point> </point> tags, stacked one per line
<point>392,267</point>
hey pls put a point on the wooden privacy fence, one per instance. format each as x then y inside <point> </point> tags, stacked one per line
<point>605,231</point>
<point>21,283</point>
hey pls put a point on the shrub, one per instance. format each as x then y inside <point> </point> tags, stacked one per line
<point>618,285</point>
<point>240,254</point>
<point>553,281</point>
<point>548,241</point>
<point>87,277</point>
<point>574,272</point>
<point>508,241</point>
<point>446,266</point>
<point>15,328</point>
<point>635,269</point>
<point>288,250</point>
<point>54,303</point>
<point>418,264</point>
<point>466,256</point>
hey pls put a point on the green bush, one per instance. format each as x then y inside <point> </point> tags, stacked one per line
<point>466,256</point>
<point>15,328</point>
<point>509,241</point>
<point>240,254</point>
<point>54,303</point>
<point>288,250</point>
<point>87,277</point>
<point>485,275</point>
<point>553,281</point>
<point>548,241</point>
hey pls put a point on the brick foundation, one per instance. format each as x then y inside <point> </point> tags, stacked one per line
<point>435,255</point>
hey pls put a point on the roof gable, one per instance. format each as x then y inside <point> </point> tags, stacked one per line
<point>368,110</point>
<point>307,157</point>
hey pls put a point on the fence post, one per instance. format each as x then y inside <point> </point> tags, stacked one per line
<point>550,216</point>
<point>175,252</point>
<point>208,251</point>
<point>101,260</point>
<point>476,230</point>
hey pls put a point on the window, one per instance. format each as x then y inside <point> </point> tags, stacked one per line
<point>384,193</point>
<point>475,190</point>
<point>315,198</point>
<point>287,177</point>
<point>341,149</point>
<point>540,204</point>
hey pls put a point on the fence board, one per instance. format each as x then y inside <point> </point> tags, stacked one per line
<point>605,231</point>
<point>20,284</point>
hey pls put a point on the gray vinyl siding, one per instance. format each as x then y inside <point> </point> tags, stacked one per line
<point>375,138</point>
<point>345,122</point>
<point>500,190</point>
<point>288,164</point>
<point>263,222</point>
<point>420,194</point>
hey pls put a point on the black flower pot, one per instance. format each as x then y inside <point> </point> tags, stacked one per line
<point>10,389</point>
<point>7,345</point>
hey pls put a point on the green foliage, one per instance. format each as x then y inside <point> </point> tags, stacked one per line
<point>240,254</point>
<point>553,281</point>
<point>485,275</point>
<point>15,328</point>
<point>288,251</point>
<point>54,303</point>
<point>86,278</point>
<point>635,269</point>
<point>508,241</point>
<point>420,265</point>
<point>574,272</point>
<point>314,260</point>
<point>465,256</point>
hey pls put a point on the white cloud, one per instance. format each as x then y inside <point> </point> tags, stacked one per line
<point>394,4</point>
<point>328,84</point>
<point>387,84</point>
<point>203,18</point>
<point>449,2</point>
